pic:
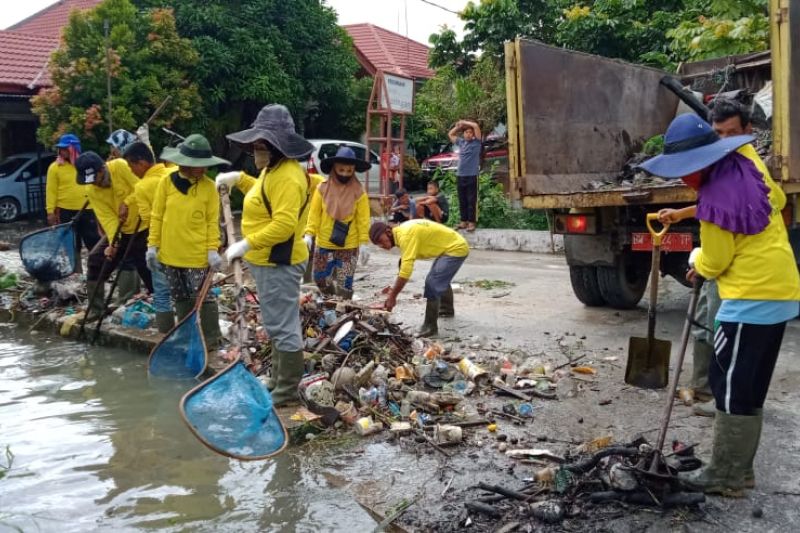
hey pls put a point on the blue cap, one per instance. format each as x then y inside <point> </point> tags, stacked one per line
<point>691,144</point>
<point>67,140</point>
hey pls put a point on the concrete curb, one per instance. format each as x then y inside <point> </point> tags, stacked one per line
<point>515,240</point>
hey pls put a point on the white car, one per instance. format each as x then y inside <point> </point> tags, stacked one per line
<point>324,148</point>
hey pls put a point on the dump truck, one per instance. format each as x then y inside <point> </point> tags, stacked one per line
<point>575,120</point>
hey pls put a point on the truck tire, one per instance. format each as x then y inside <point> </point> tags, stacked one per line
<point>622,285</point>
<point>585,285</point>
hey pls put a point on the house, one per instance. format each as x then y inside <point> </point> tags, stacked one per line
<point>380,49</point>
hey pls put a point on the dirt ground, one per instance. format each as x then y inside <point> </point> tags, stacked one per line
<point>539,316</point>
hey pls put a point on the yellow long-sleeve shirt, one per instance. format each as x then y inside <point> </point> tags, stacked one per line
<point>777,198</point>
<point>320,223</point>
<point>146,189</point>
<point>287,189</point>
<point>106,200</point>
<point>425,239</point>
<point>185,227</point>
<point>63,190</point>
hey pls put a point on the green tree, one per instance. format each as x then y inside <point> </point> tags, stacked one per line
<point>446,50</point>
<point>255,52</point>
<point>450,96</point>
<point>148,62</point>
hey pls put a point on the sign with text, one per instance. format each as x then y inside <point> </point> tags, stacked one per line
<point>401,94</point>
<point>672,242</point>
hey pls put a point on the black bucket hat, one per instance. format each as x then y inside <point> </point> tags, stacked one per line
<point>345,155</point>
<point>275,125</point>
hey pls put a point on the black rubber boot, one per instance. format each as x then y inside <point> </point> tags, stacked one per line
<point>447,308</point>
<point>430,326</point>
<point>127,286</point>
<point>165,321</point>
<point>95,307</point>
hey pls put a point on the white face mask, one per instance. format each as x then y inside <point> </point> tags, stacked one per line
<point>261,158</point>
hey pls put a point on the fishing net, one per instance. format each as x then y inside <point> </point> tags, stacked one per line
<point>49,254</point>
<point>182,353</point>
<point>232,413</point>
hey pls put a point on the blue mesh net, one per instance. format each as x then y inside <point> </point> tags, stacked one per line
<point>49,254</point>
<point>232,413</point>
<point>182,353</point>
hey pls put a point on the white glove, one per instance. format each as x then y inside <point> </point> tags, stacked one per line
<point>143,132</point>
<point>309,241</point>
<point>237,249</point>
<point>363,254</point>
<point>693,256</point>
<point>214,260</point>
<point>228,179</point>
<point>151,258</point>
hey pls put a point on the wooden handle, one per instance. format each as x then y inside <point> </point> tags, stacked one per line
<point>238,278</point>
<point>657,235</point>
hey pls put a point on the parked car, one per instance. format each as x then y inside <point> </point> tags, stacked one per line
<point>22,184</point>
<point>324,148</point>
<point>495,149</point>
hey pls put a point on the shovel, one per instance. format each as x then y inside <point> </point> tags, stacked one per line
<point>648,358</point>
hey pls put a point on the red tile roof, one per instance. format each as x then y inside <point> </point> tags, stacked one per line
<point>49,21</point>
<point>381,49</point>
<point>23,61</point>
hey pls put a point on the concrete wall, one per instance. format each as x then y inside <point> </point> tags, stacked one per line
<point>509,240</point>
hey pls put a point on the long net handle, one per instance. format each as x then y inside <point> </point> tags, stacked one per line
<point>238,277</point>
<point>208,280</point>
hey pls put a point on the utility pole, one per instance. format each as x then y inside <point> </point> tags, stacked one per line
<point>108,74</point>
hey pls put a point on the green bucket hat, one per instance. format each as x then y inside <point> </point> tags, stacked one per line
<point>194,151</point>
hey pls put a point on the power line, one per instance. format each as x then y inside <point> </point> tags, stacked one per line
<point>440,7</point>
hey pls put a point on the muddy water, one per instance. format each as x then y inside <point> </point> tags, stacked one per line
<point>97,446</point>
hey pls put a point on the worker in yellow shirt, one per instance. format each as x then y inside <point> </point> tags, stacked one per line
<point>111,194</point>
<point>728,118</point>
<point>744,246</point>
<point>424,239</point>
<point>142,162</point>
<point>274,216</point>
<point>64,196</point>
<point>339,222</point>
<point>184,233</point>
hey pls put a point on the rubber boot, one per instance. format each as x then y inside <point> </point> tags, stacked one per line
<point>183,307</point>
<point>95,307</point>
<point>447,308</point>
<point>290,372</point>
<point>430,326</point>
<point>272,380</point>
<point>344,294</point>
<point>749,473</point>
<point>702,355</point>
<point>735,444</point>
<point>165,321</point>
<point>127,286</point>
<point>708,408</point>
<point>209,323</point>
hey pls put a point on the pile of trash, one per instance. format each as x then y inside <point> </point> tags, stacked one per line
<point>598,475</point>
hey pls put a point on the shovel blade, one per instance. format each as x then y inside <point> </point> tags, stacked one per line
<point>648,363</point>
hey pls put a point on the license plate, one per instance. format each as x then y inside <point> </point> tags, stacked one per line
<point>672,242</point>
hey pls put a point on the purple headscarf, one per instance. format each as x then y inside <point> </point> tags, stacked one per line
<point>735,197</point>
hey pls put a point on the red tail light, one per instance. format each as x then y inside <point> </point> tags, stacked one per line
<point>566,224</point>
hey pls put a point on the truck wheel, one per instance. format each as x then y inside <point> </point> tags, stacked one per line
<point>585,285</point>
<point>623,285</point>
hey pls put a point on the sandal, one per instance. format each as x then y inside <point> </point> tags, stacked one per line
<point>471,227</point>
<point>462,225</point>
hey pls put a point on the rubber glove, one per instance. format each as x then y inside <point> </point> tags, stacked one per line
<point>143,132</point>
<point>228,179</point>
<point>363,254</point>
<point>309,241</point>
<point>214,260</point>
<point>151,258</point>
<point>693,256</point>
<point>237,249</point>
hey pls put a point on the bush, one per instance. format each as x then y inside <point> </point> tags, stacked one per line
<point>494,209</point>
<point>413,180</point>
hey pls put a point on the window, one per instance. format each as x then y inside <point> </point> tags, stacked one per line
<point>327,150</point>
<point>11,165</point>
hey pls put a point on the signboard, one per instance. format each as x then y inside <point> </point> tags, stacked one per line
<point>401,94</point>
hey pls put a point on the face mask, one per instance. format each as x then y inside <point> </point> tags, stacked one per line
<point>694,180</point>
<point>343,179</point>
<point>261,158</point>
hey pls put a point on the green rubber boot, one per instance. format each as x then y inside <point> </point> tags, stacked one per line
<point>749,473</point>
<point>290,371</point>
<point>165,321</point>
<point>344,294</point>
<point>127,286</point>
<point>735,444</point>
<point>702,355</point>
<point>183,307</point>
<point>95,307</point>
<point>447,308</point>
<point>430,326</point>
<point>209,323</point>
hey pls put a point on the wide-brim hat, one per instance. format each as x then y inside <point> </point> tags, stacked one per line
<point>275,125</point>
<point>194,151</point>
<point>345,155</point>
<point>691,144</point>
